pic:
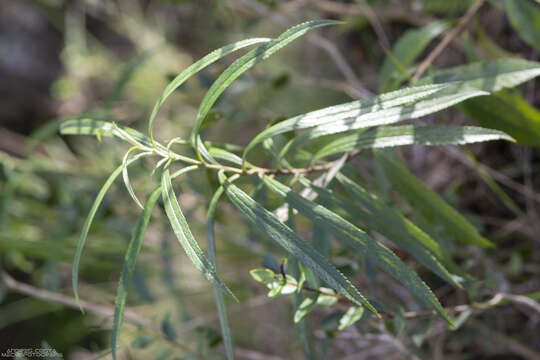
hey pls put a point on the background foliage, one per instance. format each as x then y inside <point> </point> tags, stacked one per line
<point>463,218</point>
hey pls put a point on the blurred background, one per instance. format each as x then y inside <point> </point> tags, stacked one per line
<point>110,60</point>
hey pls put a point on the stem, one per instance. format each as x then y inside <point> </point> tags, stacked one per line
<point>450,35</point>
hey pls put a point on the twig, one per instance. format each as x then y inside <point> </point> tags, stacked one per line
<point>299,171</point>
<point>342,64</point>
<point>340,86</point>
<point>254,355</point>
<point>496,300</point>
<point>391,13</point>
<point>512,344</point>
<point>450,35</point>
<point>503,179</point>
<point>102,310</point>
<point>107,311</point>
<point>377,26</point>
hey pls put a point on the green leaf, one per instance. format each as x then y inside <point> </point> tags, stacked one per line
<point>195,68</point>
<point>105,128</point>
<point>430,204</point>
<point>275,282</point>
<point>525,18</point>
<point>282,286</point>
<point>125,175</point>
<point>392,218</point>
<point>184,235</point>
<point>383,257</point>
<point>405,51</point>
<point>224,155</point>
<point>303,309</point>
<point>355,109</point>
<point>264,276</point>
<point>352,315</point>
<point>268,223</point>
<point>218,296</point>
<point>506,111</point>
<point>130,259</point>
<point>243,64</point>
<point>303,330</point>
<point>326,297</point>
<point>431,104</point>
<point>488,76</point>
<point>394,226</point>
<point>88,223</point>
<point>431,135</point>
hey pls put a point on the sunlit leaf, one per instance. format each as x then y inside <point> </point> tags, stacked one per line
<point>352,110</point>
<point>326,297</point>
<point>243,64</point>
<point>185,237</point>
<point>431,104</point>
<point>195,68</point>
<point>488,76</point>
<point>264,276</point>
<point>105,128</point>
<point>352,315</point>
<point>125,176</point>
<point>430,135</point>
<point>303,309</point>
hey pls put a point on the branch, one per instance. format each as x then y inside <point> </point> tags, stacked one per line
<point>393,13</point>
<point>108,311</point>
<point>497,300</point>
<point>450,35</point>
<point>102,310</point>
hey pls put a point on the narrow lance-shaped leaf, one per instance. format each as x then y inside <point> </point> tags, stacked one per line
<point>395,228</point>
<point>525,18</point>
<point>431,135</point>
<point>242,65</point>
<point>268,223</point>
<point>184,235</point>
<point>218,296</point>
<point>378,208</point>
<point>351,316</point>
<point>125,176</point>
<point>195,68</point>
<point>88,223</point>
<point>383,257</point>
<point>507,111</point>
<point>105,128</point>
<point>130,259</point>
<point>488,76</point>
<point>504,111</point>
<point>344,111</point>
<point>430,204</point>
<point>441,100</point>
<point>224,155</point>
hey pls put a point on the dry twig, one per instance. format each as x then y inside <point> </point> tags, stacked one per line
<point>450,35</point>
